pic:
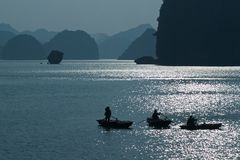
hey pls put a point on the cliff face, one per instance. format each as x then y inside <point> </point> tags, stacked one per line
<point>142,46</point>
<point>199,32</point>
<point>23,47</point>
<point>74,45</point>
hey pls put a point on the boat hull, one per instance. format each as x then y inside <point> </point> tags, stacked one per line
<point>160,123</point>
<point>202,126</point>
<point>114,123</point>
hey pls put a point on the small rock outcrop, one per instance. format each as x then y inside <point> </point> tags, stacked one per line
<point>55,57</point>
<point>74,45</point>
<point>23,47</point>
<point>145,60</point>
<point>145,45</point>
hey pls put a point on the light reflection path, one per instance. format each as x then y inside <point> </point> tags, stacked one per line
<point>74,94</point>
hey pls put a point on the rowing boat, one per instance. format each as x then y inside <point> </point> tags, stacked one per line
<point>159,123</point>
<point>114,123</point>
<point>203,126</point>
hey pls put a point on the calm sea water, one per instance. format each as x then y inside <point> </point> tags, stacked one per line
<point>49,112</point>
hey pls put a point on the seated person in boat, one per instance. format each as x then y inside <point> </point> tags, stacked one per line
<point>191,121</point>
<point>155,115</point>
<point>107,114</point>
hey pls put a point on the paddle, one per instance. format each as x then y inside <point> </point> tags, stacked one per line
<point>164,116</point>
<point>114,117</point>
<point>141,121</point>
<point>173,123</point>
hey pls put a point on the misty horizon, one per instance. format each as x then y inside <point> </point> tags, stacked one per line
<point>76,29</point>
<point>93,17</point>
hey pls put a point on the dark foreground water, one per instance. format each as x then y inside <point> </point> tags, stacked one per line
<point>49,112</point>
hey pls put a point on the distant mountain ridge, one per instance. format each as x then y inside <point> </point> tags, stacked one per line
<point>115,45</point>
<point>100,37</point>
<point>7,27</point>
<point>74,45</point>
<point>23,47</point>
<point>145,45</point>
<point>42,35</point>
<point>5,36</point>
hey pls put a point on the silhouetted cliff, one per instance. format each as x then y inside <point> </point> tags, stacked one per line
<point>23,47</point>
<point>74,44</point>
<point>5,36</point>
<point>199,32</point>
<point>145,45</point>
<point>114,46</point>
<point>41,35</point>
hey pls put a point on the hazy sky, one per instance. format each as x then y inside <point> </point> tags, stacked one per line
<point>107,16</point>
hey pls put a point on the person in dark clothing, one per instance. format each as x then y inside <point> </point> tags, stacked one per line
<point>155,114</point>
<point>107,114</point>
<point>191,121</point>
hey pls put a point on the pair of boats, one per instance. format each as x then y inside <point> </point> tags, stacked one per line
<point>156,123</point>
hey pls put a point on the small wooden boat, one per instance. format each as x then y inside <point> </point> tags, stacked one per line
<point>114,123</point>
<point>203,126</point>
<point>159,123</point>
